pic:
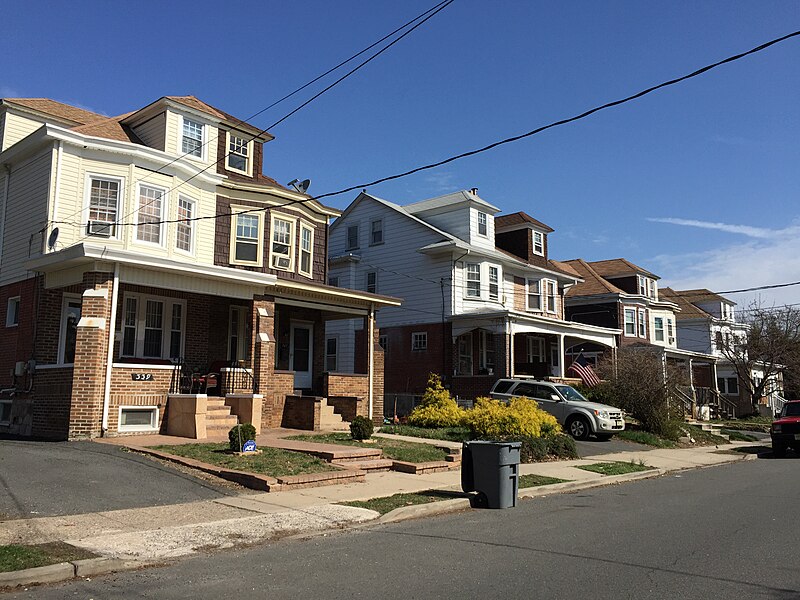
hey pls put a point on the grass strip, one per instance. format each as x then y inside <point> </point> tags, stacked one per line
<point>393,449</point>
<point>16,557</point>
<point>737,436</point>
<point>452,434</point>
<point>615,468</point>
<point>526,481</point>
<point>645,437</point>
<point>389,503</point>
<point>272,461</point>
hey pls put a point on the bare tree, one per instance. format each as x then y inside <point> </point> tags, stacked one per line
<point>768,345</point>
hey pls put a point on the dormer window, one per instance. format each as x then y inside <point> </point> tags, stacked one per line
<point>483,228</point>
<point>192,143</point>
<point>239,150</point>
<point>538,243</point>
<point>647,286</point>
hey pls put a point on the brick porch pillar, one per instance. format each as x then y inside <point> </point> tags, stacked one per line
<point>263,353</point>
<point>377,378</point>
<point>91,353</point>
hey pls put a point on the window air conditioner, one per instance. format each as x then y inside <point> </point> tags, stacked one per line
<point>280,262</point>
<point>100,228</point>
<point>672,340</point>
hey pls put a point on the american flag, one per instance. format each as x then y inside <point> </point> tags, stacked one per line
<point>583,368</point>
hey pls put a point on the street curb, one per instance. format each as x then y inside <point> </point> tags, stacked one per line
<point>447,506</point>
<point>89,567</point>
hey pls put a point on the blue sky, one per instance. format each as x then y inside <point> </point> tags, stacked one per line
<point>698,183</point>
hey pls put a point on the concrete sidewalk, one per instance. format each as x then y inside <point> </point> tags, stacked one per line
<point>164,532</point>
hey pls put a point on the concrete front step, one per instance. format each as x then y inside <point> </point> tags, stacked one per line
<point>371,466</point>
<point>347,455</point>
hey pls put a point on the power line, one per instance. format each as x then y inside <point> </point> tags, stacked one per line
<point>425,16</point>
<point>761,287</point>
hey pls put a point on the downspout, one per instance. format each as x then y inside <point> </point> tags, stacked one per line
<point>371,356</point>
<point>110,355</point>
<point>59,152</point>
<point>452,312</point>
<point>5,211</point>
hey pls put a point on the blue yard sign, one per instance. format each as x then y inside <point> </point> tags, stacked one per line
<point>249,446</point>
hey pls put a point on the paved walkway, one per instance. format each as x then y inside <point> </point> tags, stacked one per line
<point>159,532</point>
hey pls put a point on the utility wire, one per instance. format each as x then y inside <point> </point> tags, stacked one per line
<point>425,16</point>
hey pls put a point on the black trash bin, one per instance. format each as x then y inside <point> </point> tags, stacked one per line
<point>492,470</point>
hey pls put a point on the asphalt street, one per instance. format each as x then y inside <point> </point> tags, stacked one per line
<point>722,532</point>
<point>39,479</point>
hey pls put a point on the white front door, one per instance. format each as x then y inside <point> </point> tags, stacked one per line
<point>301,354</point>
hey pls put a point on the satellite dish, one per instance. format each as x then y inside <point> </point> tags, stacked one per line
<point>51,241</point>
<point>300,186</point>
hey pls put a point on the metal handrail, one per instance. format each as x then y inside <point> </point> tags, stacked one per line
<point>730,405</point>
<point>238,377</point>
<point>685,399</point>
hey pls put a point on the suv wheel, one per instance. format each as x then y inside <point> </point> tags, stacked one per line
<point>579,428</point>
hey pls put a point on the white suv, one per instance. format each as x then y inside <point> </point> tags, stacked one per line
<point>577,415</point>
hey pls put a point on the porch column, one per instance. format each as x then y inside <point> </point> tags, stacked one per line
<point>376,371</point>
<point>511,353</point>
<point>91,354</point>
<point>561,357</point>
<point>691,386</point>
<point>714,384</point>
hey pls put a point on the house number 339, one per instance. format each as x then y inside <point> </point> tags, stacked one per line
<point>142,376</point>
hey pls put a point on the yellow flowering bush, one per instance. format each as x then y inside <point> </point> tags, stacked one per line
<point>437,409</point>
<point>522,417</point>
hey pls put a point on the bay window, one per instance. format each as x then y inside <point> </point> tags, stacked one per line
<point>630,321</point>
<point>473,271</point>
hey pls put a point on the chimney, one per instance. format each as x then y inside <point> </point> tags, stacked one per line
<point>473,191</point>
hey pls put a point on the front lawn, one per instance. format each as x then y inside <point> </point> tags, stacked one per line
<point>452,434</point>
<point>273,462</point>
<point>615,468</point>
<point>392,449</point>
<point>16,557</point>
<point>737,436</point>
<point>645,437</point>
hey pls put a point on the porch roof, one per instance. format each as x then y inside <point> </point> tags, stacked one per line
<point>528,323</point>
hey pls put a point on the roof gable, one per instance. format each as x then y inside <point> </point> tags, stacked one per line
<point>58,110</point>
<point>619,267</point>
<point>519,218</point>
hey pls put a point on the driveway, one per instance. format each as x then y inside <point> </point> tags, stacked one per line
<point>40,479</point>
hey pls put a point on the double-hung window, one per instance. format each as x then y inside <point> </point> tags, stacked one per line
<point>483,228</point>
<point>184,239</point>
<point>464,343</point>
<point>630,321</point>
<point>331,345</point>
<point>371,282</point>
<point>473,278</point>
<point>282,247</point>
<point>238,153</point>
<point>192,141</point>
<point>486,348</point>
<point>419,341</point>
<point>12,312</point>
<point>551,290</point>
<point>153,327</point>
<point>247,238</point>
<point>538,243</point>
<point>306,250</point>
<point>104,206</point>
<point>534,294</point>
<point>643,288</point>
<point>642,323</point>
<point>352,238</point>
<point>150,215</point>
<point>494,283</point>
<point>376,232</point>
<point>70,316</point>
<point>535,349</point>
<point>658,326</point>
<point>670,331</point>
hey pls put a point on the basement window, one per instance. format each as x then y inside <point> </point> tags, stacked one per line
<point>138,418</point>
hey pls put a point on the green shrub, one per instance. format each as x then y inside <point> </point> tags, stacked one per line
<point>521,418</point>
<point>239,434</point>
<point>361,428</point>
<point>437,409</point>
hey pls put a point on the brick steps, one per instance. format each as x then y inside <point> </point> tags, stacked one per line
<point>370,466</point>
<point>347,455</point>
<point>421,468</point>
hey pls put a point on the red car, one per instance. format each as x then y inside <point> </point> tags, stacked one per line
<point>785,429</point>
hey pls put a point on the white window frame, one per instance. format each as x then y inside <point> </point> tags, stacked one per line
<point>247,211</point>
<point>374,284</point>
<point>470,270</point>
<point>383,342</point>
<point>551,285</point>
<point>555,355</point>
<point>373,231</point>
<point>166,325</point>
<point>190,224</point>
<point>305,227</point>
<point>159,219</point>
<point>534,348</point>
<point>625,311</point>
<point>658,330</point>
<point>464,350</point>
<point>87,203</point>
<point>153,419</point>
<point>13,301</point>
<point>537,235</point>
<point>483,351</point>
<point>242,339</point>
<point>537,294</point>
<point>274,217</point>
<point>203,138</point>
<point>483,223</point>
<point>419,341</point>
<point>642,323</point>
<point>62,328</point>
<point>494,284</point>
<point>642,285</point>
<point>357,245</point>
<point>670,330</point>
<point>248,157</point>
<point>335,355</point>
